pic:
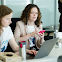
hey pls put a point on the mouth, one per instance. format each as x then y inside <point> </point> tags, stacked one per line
<point>34,17</point>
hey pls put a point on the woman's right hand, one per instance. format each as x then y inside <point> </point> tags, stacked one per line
<point>1,53</point>
<point>31,52</point>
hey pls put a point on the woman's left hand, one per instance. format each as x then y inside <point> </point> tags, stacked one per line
<point>41,35</point>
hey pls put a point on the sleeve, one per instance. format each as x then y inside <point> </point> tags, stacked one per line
<point>10,35</point>
<point>17,32</point>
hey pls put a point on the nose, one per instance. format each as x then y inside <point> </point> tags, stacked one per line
<point>34,14</point>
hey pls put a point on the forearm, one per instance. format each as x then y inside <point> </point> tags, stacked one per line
<point>22,37</point>
<point>14,45</point>
<point>27,51</point>
<point>26,37</point>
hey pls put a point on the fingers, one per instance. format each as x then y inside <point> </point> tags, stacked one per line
<point>41,35</point>
<point>0,53</point>
<point>34,52</point>
<point>30,52</point>
<point>17,53</point>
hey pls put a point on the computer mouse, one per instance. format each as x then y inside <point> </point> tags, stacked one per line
<point>59,59</point>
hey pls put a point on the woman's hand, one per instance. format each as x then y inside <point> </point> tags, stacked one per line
<point>1,53</point>
<point>41,35</point>
<point>28,51</point>
<point>31,52</point>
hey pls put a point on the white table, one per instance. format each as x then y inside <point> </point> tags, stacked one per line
<point>52,57</point>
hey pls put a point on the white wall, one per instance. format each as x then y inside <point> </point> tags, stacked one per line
<point>49,11</point>
<point>48,8</point>
<point>0,2</point>
<point>17,6</point>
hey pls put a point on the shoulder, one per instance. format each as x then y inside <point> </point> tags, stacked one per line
<point>8,28</point>
<point>8,31</point>
<point>20,23</point>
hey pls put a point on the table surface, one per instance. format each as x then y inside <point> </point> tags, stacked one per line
<point>52,57</point>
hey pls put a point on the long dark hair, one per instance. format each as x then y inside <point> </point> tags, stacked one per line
<point>26,13</point>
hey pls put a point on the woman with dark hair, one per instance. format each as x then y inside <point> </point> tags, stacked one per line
<point>28,27</point>
<point>60,10</point>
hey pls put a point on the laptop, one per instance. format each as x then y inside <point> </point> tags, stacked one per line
<point>45,49</point>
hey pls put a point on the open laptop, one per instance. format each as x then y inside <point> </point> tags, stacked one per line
<point>45,49</point>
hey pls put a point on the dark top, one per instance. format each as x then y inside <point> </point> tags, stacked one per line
<point>60,6</point>
<point>60,10</point>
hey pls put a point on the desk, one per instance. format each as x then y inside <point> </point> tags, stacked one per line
<point>52,57</point>
<point>48,31</point>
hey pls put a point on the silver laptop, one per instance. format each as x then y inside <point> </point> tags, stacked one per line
<point>45,49</point>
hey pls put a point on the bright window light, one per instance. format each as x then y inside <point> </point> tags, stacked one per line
<point>28,2</point>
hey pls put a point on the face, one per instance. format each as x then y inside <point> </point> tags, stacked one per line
<point>33,14</point>
<point>6,20</point>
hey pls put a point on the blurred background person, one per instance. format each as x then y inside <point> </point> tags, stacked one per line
<point>60,10</point>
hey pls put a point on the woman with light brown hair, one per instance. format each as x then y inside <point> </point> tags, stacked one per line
<point>6,34</point>
<point>28,27</point>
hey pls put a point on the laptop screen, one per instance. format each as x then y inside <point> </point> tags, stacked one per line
<point>46,48</point>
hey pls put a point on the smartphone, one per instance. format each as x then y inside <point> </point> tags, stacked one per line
<point>42,31</point>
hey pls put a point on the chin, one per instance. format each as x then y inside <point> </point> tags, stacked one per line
<point>34,20</point>
<point>6,26</point>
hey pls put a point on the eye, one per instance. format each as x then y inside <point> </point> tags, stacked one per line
<point>8,18</point>
<point>34,12</point>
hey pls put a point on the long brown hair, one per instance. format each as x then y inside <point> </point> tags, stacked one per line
<point>4,10</point>
<point>26,13</point>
